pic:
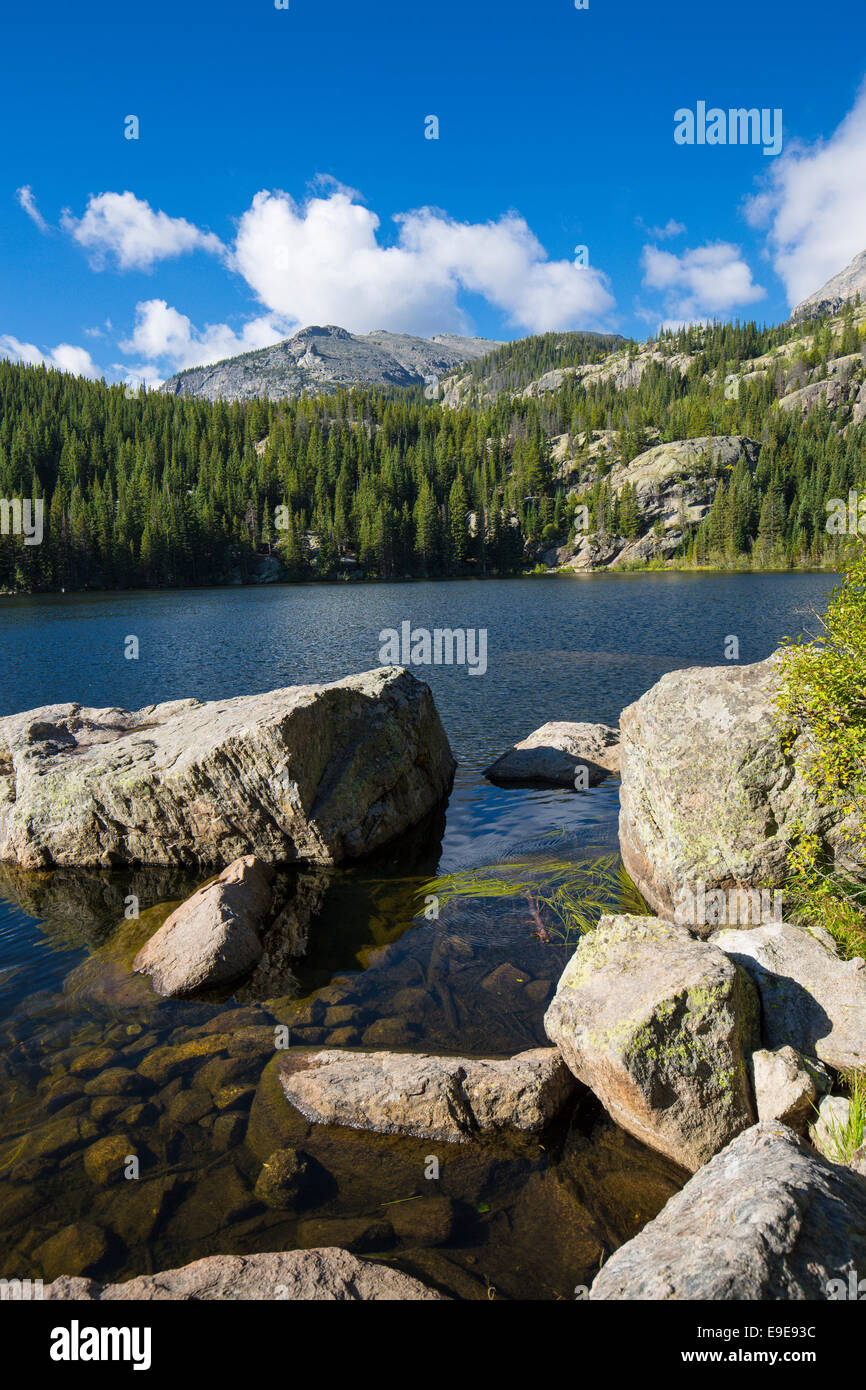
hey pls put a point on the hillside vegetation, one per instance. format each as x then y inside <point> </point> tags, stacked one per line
<point>714,445</point>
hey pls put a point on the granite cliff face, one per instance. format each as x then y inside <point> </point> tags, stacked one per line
<point>319,359</point>
<point>833,295</point>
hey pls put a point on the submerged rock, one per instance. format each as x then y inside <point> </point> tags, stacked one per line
<point>659,1025</point>
<point>77,1249</point>
<point>449,1098</point>
<point>308,1275</point>
<point>708,796</point>
<point>766,1219</point>
<point>556,751</point>
<point>809,997</point>
<point>212,938</point>
<point>312,772</point>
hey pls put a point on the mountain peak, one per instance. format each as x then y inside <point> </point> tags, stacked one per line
<point>322,357</point>
<point>840,288</point>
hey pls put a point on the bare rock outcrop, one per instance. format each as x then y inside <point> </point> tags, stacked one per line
<point>767,1219</point>
<point>322,1275</point>
<point>312,772</point>
<point>809,997</point>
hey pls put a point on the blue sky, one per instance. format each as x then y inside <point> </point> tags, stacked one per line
<point>282,176</point>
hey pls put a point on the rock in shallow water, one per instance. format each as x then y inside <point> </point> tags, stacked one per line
<point>308,1275</point>
<point>313,772</point>
<point>449,1098</point>
<point>659,1025</point>
<point>554,752</point>
<point>212,938</point>
<point>765,1219</point>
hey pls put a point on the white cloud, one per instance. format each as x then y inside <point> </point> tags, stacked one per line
<point>322,262</point>
<point>670,229</point>
<point>65,357</point>
<point>128,228</point>
<point>28,203</point>
<point>162,334</point>
<point>814,204</point>
<point>706,280</point>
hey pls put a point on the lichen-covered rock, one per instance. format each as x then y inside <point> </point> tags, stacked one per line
<point>556,751</point>
<point>313,772</point>
<point>708,796</point>
<point>766,1219</point>
<point>448,1098</point>
<point>659,1025</point>
<point>328,1275</point>
<point>809,997</point>
<point>788,1086</point>
<point>213,937</point>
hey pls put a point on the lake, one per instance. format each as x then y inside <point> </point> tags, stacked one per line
<point>79,1035</point>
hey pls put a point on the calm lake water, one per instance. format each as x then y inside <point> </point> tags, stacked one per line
<point>88,1053</point>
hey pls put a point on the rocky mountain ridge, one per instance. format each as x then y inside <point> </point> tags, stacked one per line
<point>321,359</point>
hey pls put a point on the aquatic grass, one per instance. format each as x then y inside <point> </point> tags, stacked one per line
<point>571,896</point>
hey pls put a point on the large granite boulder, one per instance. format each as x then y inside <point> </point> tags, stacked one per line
<point>810,998</point>
<point>708,796</point>
<point>556,751</point>
<point>767,1219</point>
<point>660,1026</point>
<point>445,1098</point>
<point>212,938</point>
<point>324,1275</point>
<point>313,772</point>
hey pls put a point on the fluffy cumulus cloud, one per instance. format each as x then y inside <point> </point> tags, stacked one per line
<point>166,338</point>
<point>122,226</point>
<point>65,356</point>
<point>323,262</point>
<point>814,205</point>
<point>700,282</point>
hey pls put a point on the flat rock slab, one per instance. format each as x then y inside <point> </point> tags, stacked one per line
<point>212,938</point>
<point>555,752</point>
<point>313,772</point>
<point>324,1275</point>
<point>810,998</point>
<point>660,1026</point>
<point>447,1098</point>
<point>708,795</point>
<point>767,1219</point>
